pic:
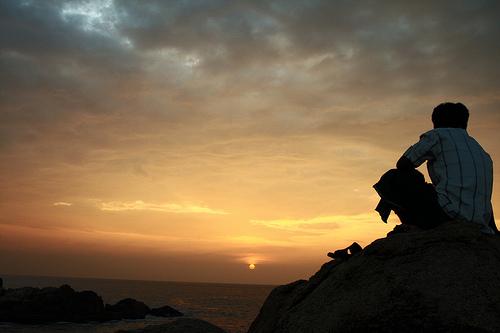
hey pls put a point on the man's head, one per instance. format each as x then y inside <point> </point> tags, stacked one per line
<point>450,115</point>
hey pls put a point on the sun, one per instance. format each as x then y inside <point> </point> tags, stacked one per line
<point>251,266</point>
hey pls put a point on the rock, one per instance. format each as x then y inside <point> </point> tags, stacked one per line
<point>127,308</point>
<point>34,305</point>
<point>165,311</point>
<point>446,279</point>
<point>181,325</point>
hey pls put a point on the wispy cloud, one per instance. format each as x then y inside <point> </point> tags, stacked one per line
<point>159,207</point>
<point>319,224</point>
<point>62,203</point>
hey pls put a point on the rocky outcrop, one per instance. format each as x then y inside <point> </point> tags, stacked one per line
<point>442,280</point>
<point>165,311</point>
<point>127,308</point>
<point>34,305</point>
<point>183,325</point>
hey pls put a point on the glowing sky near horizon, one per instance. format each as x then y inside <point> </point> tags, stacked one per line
<point>189,140</point>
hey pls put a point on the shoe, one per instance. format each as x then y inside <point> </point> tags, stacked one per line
<point>346,253</point>
<point>339,254</point>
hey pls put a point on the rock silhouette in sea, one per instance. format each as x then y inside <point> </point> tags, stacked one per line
<point>445,279</point>
<point>182,325</point>
<point>165,311</point>
<point>34,305</point>
<point>127,308</point>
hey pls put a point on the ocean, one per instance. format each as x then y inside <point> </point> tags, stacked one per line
<point>232,307</point>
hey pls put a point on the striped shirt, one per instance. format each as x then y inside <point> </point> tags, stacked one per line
<point>461,171</point>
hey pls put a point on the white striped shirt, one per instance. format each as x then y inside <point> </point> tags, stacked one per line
<point>461,171</point>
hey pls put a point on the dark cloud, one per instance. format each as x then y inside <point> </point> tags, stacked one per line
<point>365,49</point>
<point>384,47</point>
<point>240,67</point>
<point>51,61</point>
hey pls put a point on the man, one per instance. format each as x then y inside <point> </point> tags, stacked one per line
<point>460,170</point>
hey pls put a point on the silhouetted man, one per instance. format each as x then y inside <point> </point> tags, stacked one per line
<point>460,170</point>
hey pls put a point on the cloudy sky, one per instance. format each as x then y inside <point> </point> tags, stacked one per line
<point>185,140</point>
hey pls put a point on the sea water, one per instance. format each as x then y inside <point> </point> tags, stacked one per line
<point>232,307</point>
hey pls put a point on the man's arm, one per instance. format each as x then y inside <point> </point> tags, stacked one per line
<point>404,164</point>
<point>419,152</point>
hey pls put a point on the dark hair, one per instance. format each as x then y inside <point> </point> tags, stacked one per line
<point>450,115</point>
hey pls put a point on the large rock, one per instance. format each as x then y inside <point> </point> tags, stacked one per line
<point>182,325</point>
<point>165,311</point>
<point>442,280</point>
<point>34,305</point>
<point>29,305</point>
<point>127,308</point>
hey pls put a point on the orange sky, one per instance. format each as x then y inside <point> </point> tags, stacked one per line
<point>186,141</point>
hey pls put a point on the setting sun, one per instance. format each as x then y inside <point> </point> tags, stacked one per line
<point>251,266</point>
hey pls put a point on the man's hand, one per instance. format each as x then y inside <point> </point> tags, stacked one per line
<point>404,164</point>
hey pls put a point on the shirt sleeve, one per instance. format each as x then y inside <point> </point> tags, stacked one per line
<point>422,150</point>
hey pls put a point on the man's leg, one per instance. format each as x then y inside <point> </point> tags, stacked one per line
<point>432,214</point>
